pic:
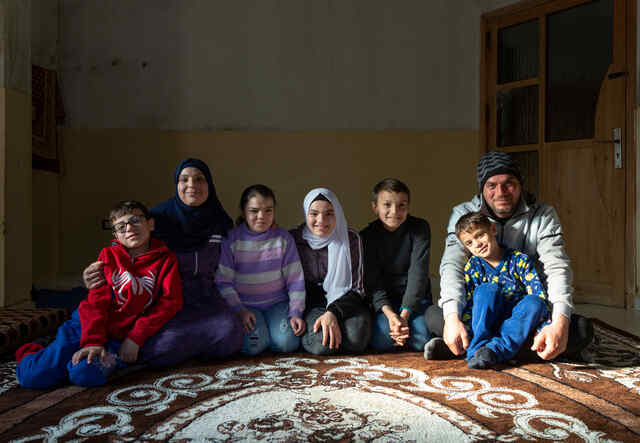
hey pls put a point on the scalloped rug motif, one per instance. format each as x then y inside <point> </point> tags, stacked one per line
<point>374,397</point>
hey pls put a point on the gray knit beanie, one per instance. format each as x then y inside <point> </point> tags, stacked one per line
<point>494,163</point>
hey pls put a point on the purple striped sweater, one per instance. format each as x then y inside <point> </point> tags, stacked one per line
<point>260,270</point>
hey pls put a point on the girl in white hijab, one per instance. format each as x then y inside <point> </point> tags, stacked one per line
<point>337,282</point>
<point>331,256</point>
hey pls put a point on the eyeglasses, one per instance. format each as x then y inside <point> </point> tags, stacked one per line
<point>121,227</point>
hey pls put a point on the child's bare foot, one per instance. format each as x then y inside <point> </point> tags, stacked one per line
<point>482,359</point>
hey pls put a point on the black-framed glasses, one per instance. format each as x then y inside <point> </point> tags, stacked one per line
<point>121,227</point>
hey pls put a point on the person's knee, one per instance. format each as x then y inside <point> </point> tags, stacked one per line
<point>229,324</point>
<point>419,333</point>
<point>223,344</point>
<point>312,343</point>
<point>357,344</point>
<point>282,337</point>
<point>87,374</point>
<point>229,334</point>
<point>380,338</point>
<point>254,344</point>
<point>381,342</point>
<point>581,334</point>
<point>357,332</point>
<point>381,323</point>
<point>257,340</point>
<point>285,343</point>
<point>361,321</point>
<point>530,305</point>
<point>434,320</point>
<point>312,316</point>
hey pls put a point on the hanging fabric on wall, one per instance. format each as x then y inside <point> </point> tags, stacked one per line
<point>47,114</point>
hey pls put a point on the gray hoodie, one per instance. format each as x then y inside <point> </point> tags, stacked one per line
<point>534,229</point>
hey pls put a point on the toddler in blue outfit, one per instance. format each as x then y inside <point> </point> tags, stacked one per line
<point>506,301</point>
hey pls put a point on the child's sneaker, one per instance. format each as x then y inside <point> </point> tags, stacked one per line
<point>437,349</point>
<point>483,358</point>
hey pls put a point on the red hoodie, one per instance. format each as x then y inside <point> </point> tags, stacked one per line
<point>140,296</point>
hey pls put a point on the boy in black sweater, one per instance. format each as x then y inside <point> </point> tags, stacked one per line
<point>396,269</point>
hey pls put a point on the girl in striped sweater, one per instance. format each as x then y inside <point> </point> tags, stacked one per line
<point>260,276</point>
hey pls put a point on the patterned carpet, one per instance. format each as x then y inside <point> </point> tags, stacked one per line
<point>383,397</point>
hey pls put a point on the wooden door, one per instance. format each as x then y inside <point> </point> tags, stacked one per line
<point>557,90</point>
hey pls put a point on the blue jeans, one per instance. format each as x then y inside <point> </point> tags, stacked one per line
<point>52,365</point>
<point>418,333</point>
<point>503,324</point>
<point>272,330</point>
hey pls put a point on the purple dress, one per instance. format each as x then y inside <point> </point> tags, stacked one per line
<point>206,327</point>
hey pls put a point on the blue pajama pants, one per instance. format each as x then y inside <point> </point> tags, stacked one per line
<point>52,365</point>
<point>418,333</point>
<point>272,330</point>
<point>503,324</point>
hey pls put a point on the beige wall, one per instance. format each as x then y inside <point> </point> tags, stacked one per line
<point>46,228</point>
<point>16,190</point>
<point>288,65</point>
<point>103,166</point>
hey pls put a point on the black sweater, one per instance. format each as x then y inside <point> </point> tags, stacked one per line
<point>396,264</point>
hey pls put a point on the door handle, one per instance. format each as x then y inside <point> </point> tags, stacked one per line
<point>617,147</point>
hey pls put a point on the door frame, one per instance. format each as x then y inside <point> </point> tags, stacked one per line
<point>511,13</point>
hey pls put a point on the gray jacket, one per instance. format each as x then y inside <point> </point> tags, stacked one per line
<point>533,229</point>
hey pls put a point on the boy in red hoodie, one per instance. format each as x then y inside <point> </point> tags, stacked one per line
<point>142,293</point>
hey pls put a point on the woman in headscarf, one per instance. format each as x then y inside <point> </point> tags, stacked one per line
<point>331,254</point>
<point>192,224</point>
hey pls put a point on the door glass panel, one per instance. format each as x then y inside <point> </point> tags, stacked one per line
<point>517,116</point>
<point>579,48</point>
<point>528,162</point>
<point>518,52</point>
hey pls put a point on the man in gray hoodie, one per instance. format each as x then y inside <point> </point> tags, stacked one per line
<point>522,224</point>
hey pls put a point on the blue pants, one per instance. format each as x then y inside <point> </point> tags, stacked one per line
<point>52,365</point>
<point>418,333</point>
<point>272,330</point>
<point>503,324</point>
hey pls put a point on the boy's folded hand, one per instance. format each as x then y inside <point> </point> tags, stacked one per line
<point>401,338</point>
<point>129,351</point>
<point>395,321</point>
<point>91,353</point>
<point>398,328</point>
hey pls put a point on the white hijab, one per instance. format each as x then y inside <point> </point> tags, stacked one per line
<point>337,282</point>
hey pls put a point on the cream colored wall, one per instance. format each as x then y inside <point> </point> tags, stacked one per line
<point>103,166</point>
<point>3,184</point>
<point>15,172</point>
<point>46,228</point>
<point>292,65</point>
